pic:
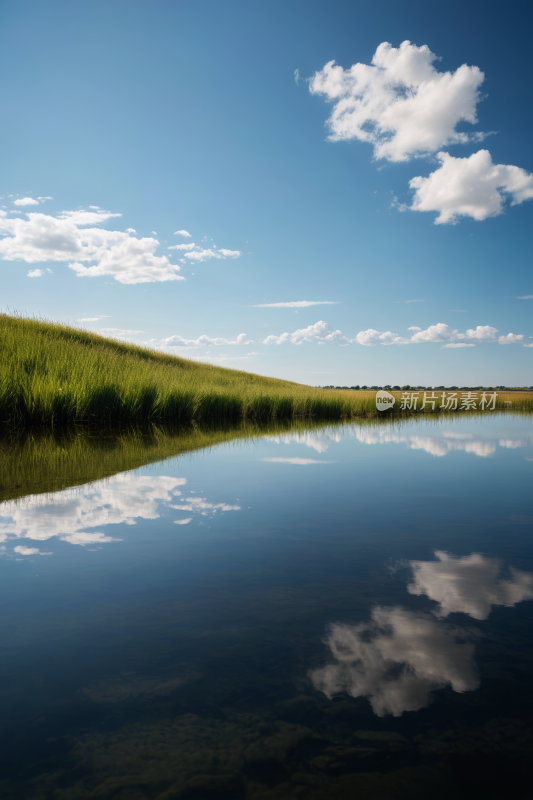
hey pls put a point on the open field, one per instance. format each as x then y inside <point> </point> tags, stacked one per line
<point>53,374</point>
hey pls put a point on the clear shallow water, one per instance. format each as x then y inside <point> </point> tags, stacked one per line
<point>338,612</point>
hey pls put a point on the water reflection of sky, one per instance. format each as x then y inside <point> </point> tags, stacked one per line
<point>400,656</point>
<point>73,514</point>
<point>204,588</point>
<point>437,440</point>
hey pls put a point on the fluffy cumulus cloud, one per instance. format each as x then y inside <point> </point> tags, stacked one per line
<point>182,233</point>
<point>202,341</point>
<point>511,338</point>
<point>319,332</point>
<point>451,337</point>
<point>26,201</point>
<point>470,585</point>
<point>400,103</point>
<point>76,238</point>
<point>441,333</point>
<point>299,304</point>
<point>29,551</point>
<point>470,187</point>
<point>396,660</point>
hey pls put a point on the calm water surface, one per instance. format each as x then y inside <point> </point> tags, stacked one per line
<point>339,612</point>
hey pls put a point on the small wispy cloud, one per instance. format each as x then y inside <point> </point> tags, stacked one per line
<point>182,233</point>
<point>202,341</point>
<point>297,76</point>
<point>29,551</point>
<point>525,297</point>
<point>406,302</point>
<point>453,345</point>
<point>93,319</point>
<point>299,304</point>
<point>298,461</point>
<point>118,332</point>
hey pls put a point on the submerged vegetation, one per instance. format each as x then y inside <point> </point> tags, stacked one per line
<point>55,374</point>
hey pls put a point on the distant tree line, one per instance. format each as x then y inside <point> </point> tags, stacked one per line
<point>409,388</point>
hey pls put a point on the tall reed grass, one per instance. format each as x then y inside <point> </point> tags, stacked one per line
<point>54,374</point>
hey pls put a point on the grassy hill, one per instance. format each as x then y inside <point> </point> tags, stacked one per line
<point>52,374</point>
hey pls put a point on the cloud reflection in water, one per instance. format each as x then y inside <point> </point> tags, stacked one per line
<point>396,660</point>
<point>71,514</point>
<point>471,585</point>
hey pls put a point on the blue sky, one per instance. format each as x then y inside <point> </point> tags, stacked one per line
<point>293,186</point>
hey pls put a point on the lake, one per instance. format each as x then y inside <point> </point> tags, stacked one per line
<point>293,611</point>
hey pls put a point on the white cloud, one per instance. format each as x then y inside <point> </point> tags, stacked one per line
<point>183,521</point>
<point>66,238</point>
<point>93,319</point>
<point>396,660</point>
<point>202,341</point>
<point>372,337</point>
<point>470,187</point>
<point>131,230</point>
<point>182,246</point>
<point>299,304</point>
<point>205,254</point>
<point>181,233</point>
<point>26,201</point>
<point>44,199</point>
<point>35,273</point>
<point>511,338</point>
<point>457,344</point>
<point>297,76</point>
<point>435,333</point>
<point>299,461</point>
<point>526,297</point>
<point>400,104</point>
<point>528,345</point>
<point>319,332</point>
<point>482,332</point>
<point>119,332</point>
<point>29,551</point>
<point>471,584</point>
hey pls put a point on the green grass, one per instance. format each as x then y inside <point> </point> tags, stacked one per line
<point>52,374</point>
